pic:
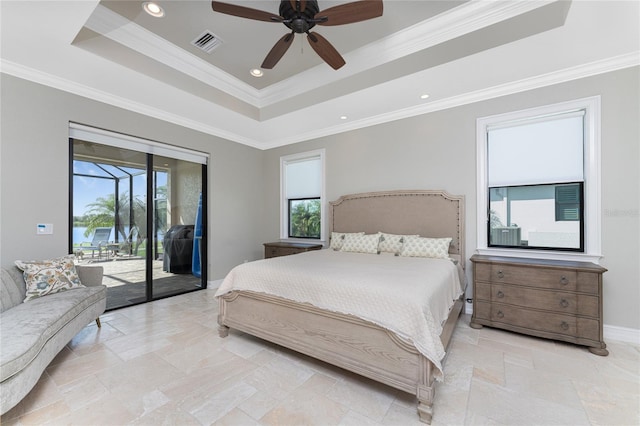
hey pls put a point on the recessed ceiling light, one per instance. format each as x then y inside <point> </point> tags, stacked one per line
<point>425,96</point>
<point>153,9</point>
<point>343,117</point>
<point>256,72</point>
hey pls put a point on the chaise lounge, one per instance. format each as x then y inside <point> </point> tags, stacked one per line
<point>33,332</point>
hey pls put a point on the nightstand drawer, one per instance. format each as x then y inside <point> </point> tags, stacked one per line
<point>284,248</point>
<point>280,251</point>
<point>560,302</point>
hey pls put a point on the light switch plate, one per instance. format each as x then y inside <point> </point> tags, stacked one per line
<point>44,228</point>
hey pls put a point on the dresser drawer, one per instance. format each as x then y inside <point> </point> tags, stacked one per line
<point>556,301</point>
<point>537,277</point>
<point>565,325</point>
<point>482,291</point>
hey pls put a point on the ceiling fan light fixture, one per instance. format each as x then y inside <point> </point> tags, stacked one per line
<point>153,9</point>
<point>256,72</point>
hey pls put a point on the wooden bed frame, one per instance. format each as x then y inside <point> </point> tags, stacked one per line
<point>344,340</point>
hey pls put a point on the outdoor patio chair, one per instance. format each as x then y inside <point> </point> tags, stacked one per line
<point>99,242</point>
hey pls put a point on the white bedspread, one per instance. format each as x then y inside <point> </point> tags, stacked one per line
<point>409,296</point>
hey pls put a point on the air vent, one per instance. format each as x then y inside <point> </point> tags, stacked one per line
<point>207,41</point>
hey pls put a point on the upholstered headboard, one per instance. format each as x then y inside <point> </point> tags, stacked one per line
<point>435,214</point>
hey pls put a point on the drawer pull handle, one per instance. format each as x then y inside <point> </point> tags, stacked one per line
<point>500,314</point>
<point>564,280</point>
<point>564,326</point>
<point>500,295</point>
<point>564,303</point>
<point>500,274</point>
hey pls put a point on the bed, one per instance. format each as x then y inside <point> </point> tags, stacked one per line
<point>357,342</point>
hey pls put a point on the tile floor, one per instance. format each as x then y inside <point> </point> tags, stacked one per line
<point>163,363</point>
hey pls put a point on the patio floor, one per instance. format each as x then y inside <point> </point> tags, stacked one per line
<point>125,280</point>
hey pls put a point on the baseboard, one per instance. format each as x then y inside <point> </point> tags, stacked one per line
<point>621,334</point>
<point>610,332</point>
<point>468,308</point>
<point>213,285</point>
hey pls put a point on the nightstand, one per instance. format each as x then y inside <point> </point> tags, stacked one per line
<point>285,248</point>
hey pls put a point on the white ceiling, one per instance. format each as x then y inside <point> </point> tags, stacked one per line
<point>456,51</point>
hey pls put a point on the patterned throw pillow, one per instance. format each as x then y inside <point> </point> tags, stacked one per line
<point>392,243</point>
<point>45,277</point>
<point>337,239</point>
<point>426,247</point>
<point>361,243</point>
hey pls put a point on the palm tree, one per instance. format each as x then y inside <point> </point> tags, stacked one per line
<point>100,213</point>
<point>305,219</point>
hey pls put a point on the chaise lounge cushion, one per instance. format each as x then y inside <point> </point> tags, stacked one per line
<point>30,325</point>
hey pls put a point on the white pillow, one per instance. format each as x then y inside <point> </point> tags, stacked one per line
<point>391,243</point>
<point>337,238</point>
<point>361,243</point>
<point>44,277</point>
<point>426,247</point>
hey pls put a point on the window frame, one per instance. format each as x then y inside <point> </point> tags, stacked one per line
<point>284,201</point>
<point>592,180</point>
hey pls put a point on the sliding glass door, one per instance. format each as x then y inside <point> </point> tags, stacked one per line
<point>176,191</point>
<point>141,217</point>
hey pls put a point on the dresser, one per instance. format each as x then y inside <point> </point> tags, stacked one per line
<point>285,248</point>
<point>554,299</point>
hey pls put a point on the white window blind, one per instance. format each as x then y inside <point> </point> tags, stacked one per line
<point>544,150</point>
<point>304,178</point>
<point>119,140</point>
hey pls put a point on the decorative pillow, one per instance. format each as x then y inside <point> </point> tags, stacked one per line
<point>426,247</point>
<point>392,243</point>
<point>361,243</point>
<point>45,277</point>
<point>337,238</point>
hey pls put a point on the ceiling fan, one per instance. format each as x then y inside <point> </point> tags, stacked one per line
<point>302,15</point>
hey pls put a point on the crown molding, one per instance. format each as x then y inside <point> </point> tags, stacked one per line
<point>448,25</point>
<point>556,77</point>
<point>461,20</point>
<point>37,76</point>
<point>131,35</point>
<point>568,74</point>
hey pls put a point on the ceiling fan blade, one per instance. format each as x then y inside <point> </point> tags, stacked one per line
<point>351,12</point>
<point>244,12</point>
<point>325,50</point>
<point>277,51</point>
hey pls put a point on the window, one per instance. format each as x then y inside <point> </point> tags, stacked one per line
<point>302,195</point>
<point>539,183</point>
<point>534,216</point>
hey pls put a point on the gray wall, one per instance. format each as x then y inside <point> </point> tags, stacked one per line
<point>438,151</point>
<point>434,151</point>
<point>34,183</point>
